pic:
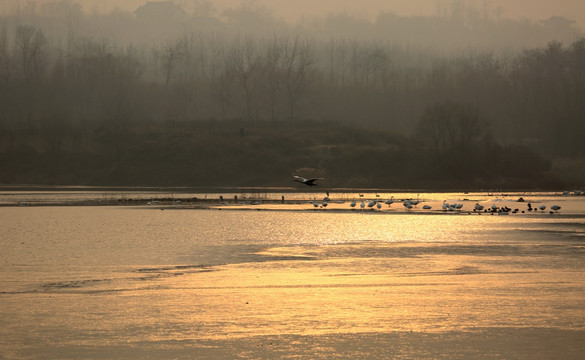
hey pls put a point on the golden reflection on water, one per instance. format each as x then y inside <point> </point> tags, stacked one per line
<point>417,288</point>
<point>106,277</point>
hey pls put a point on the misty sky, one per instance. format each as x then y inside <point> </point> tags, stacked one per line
<point>292,10</point>
<point>535,9</point>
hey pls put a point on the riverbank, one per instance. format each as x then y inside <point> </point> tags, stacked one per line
<point>289,199</point>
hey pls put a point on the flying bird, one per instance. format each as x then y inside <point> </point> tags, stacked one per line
<point>302,180</point>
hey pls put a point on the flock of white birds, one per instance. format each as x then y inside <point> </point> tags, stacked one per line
<point>411,203</point>
<point>446,206</point>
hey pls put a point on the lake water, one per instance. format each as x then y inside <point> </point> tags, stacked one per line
<point>289,280</point>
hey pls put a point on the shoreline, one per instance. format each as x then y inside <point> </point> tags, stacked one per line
<point>460,203</point>
<point>292,206</point>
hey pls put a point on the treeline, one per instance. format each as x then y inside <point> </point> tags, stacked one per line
<point>240,153</point>
<point>532,98</point>
<point>475,117</point>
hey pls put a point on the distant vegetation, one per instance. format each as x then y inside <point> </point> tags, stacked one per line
<point>233,107</point>
<point>239,153</point>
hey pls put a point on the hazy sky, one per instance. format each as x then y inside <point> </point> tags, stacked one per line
<point>292,10</point>
<point>536,9</point>
<point>533,9</point>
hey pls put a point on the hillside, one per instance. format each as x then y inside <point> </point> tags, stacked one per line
<point>264,154</point>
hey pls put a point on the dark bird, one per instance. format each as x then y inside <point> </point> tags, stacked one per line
<point>302,180</point>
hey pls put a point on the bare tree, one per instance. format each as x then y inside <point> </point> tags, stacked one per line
<point>338,62</point>
<point>274,74</point>
<point>372,65</point>
<point>4,54</point>
<point>29,52</point>
<point>246,60</point>
<point>297,62</point>
<point>222,77</point>
<point>223,93</point>
<point>170,55</point>
<point>450,128</point>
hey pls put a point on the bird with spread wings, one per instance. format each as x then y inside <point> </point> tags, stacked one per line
<point>308,182</point>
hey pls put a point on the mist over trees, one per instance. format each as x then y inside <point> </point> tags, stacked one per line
<point>458,96</point>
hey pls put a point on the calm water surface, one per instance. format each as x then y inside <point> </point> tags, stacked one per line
<point>102,282</point>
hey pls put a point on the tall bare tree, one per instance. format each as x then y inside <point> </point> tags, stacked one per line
<point>372,65</point>
<point>222,77</point>
<point>247,64</point>
<point>274,74</point>
<point>4,54</point>
<point>170,55</point>
<point>30,55</point>
<point>450,128</point>
<point>298,60</point>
